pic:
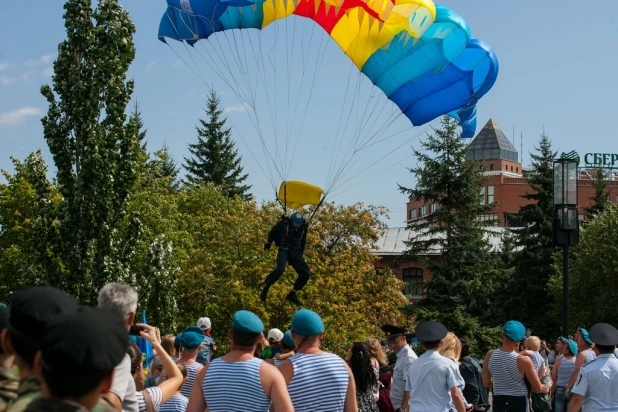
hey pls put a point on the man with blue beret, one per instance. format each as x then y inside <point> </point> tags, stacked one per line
<point>585,356</point>
<point>596,388</point>
<point>433,381</point>
<point>75,376</point>
<point>31,311</point>
<point>239,381</point>
<point>287,347</point>
<point>397,341</point>
<point>190,339</point>
<point>290,235</point>
<point>510,392</point>
<point>317,380</point>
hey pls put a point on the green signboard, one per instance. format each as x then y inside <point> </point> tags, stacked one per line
<point>591,160</point>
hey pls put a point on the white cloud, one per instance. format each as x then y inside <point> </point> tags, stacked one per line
<point>3,66</point>
<point>149,65</point>
<point>238,108</point>
<point>24,77</point>
<point>48,72</point>
<point>18,116</point>
<point>46,59</point>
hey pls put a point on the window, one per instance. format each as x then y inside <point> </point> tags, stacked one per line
<point>432,208</point>
<point>491,167</point>
<point>517,169</point>
<point>490,194</point>
<point>412,214</point>
<point>413,282</point>
<point>482,195</point>
<point>511,168</point>
<point>493,217</point>
<point>617,199</point>
<point>423,210</point>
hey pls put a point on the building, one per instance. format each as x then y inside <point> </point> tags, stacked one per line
<point>506,185</point>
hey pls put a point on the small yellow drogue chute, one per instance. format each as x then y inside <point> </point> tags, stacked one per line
<point>294,194</point>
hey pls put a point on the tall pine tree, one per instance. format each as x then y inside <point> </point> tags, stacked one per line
<point>164,168</point>
<point>457,295</point>
<point>95,149</point>
<point>528,291</point>
<point>600,199</point>
<point>215,159</point>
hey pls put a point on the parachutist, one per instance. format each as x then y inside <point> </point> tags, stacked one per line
<point>290,235</point>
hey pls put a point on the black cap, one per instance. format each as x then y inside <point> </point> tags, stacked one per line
<point>392,331</point>
<point>603,334</point>
<point>33,308</point>
<point>431,331</point>
<point>91,341</point>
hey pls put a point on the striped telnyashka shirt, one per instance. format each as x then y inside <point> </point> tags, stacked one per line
<point>565,370</point>
<point>191,374</point>
<point>319,384</point>
<point>235,387</point>
<point>177,403</point>
<point>507,378</point>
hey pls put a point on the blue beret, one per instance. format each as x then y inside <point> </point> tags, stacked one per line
<point>585,335</point>
<point>177,340</point>
<point>2,305</point>
<point>287,339</point>
<point>307,322</point>
<point>514,330</point>
<point>192,337</point>
<point>133,339</point>
<point>247,322</point>
<point>573,347</point>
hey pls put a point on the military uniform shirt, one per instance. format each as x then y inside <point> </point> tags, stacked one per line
<point>598,384</point>
<point>430,380</point>
<point>405,357</point>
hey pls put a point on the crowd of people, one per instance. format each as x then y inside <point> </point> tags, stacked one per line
<point>59,356</point>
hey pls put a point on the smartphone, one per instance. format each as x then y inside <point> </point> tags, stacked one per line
<point>135,330</point>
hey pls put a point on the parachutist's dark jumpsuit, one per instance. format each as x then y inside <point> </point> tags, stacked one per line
<point>291,241</point>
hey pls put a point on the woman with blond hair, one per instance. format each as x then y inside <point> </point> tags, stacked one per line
<point>385,375</point>
<point>451,348</point>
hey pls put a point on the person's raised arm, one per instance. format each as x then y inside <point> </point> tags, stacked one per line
<point>486,375</point>
<point>525,365</point>
<point>174,376</point>
<point>349,404</point>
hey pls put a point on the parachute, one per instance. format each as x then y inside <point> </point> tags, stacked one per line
<point>295,194</point>
<point>421,55</point>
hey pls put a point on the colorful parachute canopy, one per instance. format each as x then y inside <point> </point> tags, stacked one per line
<point>294,194</point>
<point>421,55</point>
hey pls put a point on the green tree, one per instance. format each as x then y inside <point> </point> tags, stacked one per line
<point>593,274</point>
<point>600,199</point>
<point>528,289</point>
<point>95,150</point>
<point>227,261</point>
<point>215,159</point>
<point>164,168</point>
<point>28,229</point>
<point>457,295</point>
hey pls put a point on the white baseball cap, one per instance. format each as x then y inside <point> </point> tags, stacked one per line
<point>204,323</point>
<point>275,334</point>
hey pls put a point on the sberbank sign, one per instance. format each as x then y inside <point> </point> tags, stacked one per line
<point>604,160</point>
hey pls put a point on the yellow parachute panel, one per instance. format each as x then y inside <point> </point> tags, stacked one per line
<point>294,194</point>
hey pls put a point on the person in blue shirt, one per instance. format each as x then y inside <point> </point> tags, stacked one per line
<point>208,345</point>
<point>290,235</point>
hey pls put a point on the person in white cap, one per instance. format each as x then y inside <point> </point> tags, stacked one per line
<point>274,339</point>
<point>209,345</point>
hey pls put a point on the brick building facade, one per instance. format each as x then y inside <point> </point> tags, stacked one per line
<point>506,185</point>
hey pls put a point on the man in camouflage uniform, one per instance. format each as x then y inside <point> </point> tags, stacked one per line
<point>8,380</point>
<point>31,310</point>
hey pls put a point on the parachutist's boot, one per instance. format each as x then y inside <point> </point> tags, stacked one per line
<point>264,293</point>
<point>292,298</point>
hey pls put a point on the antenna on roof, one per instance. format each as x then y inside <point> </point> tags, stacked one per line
<point>521,140</point>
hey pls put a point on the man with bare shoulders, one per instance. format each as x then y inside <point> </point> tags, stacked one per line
<point>238,381</point>
<point>317,380</point>
<point>504,370</point>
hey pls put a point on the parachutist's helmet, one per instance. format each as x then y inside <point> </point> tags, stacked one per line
<point>297,218</point>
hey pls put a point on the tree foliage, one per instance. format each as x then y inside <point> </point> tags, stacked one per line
<point>600,200</point>
<point>593,274</point>
<point>215,159</point>
<point>463,276</point>
<point>528,290</point>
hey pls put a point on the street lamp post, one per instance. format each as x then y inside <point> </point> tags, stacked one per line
<point>565,223</point>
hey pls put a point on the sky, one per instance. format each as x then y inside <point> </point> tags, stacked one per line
<point>291,90</point>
